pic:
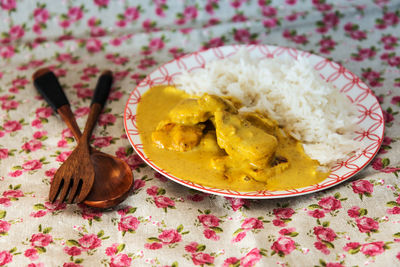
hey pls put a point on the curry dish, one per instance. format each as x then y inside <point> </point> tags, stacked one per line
<point>207,140</point>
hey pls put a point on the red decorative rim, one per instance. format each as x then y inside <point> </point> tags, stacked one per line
<point>370,113</point>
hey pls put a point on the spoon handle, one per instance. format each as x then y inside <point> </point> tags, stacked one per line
<point>100,96</point>
<point>49,87</point>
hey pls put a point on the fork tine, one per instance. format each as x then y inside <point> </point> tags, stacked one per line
<point>55,187</point>
<point>75,190</point>
<point>83,187</point>
<point>66,188</point>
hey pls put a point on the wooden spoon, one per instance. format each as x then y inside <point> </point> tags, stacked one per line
<point>113,177</point>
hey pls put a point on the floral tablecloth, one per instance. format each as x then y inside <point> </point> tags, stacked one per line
<point>356,223</point>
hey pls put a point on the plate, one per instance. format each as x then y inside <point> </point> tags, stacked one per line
<point>369,112</point>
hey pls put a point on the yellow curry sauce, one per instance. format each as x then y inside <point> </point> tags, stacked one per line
<point>205,140</point>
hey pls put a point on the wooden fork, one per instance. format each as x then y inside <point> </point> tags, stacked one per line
<point>74,179</point>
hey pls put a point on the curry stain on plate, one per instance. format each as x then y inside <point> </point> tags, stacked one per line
<point>196,165</point>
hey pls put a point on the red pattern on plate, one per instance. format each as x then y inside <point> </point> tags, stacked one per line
<point>370,121</point>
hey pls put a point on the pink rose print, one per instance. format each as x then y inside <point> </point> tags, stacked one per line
<point>196,197</point>
<point>164,202</point>
<point>39,134</point>
<point>244,36</point>
<point>201,258</point>
<point>106,119</point>
<point>327,45</point>
<point>41,15</point>
<point>367,225</point>
<point>214,42</point>
<point>190,12</point>
<point>13,193</point>
<point>38,214</point>
<point>279,222</point>
<point>270,23</point>
<point>101,3</point>
<point>66,264</point>
<point>251,258</point>
<point>210,234</point>
<point>192,247</point>
<point>283,246</point>
<point>132,13</point>
<point>134,161</point>
<point>208,220</point>
<point>239,18</point>
<point>252,223</point>
<point>5,257</point>
<point>16,32</point>
<point>9,5</point>
<point>373,77</point>
<point>72,251</point>
<point>90,214</point>
<point>268,11</point>
<point>239,237</point>
<point>329,203</point>
<point>93,45</point>
<point>15,173</point>
<point>152,191</point>
<point>358,35</point>
<point>282,216</point>
<point>354,212</point>
<point>63,156</point>
<point>3,153</point>
<point>153,246</point>
<point>82,111</point>
<point>32,145</point>
<point>32,165</point>
<point>43,112</point>
<point>170,236</point>
<point>389,41</point>
<point>128,223</point>
<point>12,126</point>
<point>394,210</point>
<point>382,164</point>
<point>238,203</point>
<point>102,141</point>
<point>6,202</point>
<point>322,247</point>
<point>373,248</point>
<point>89,241</point>
<point>316,213</point>
<point>110,251</point>
<point>231,261</point>
<point>4,227</point>
<point>9,105</point>
<point>121,260</point>
<point>37,123</point>
<point>283,213</point>
<point>138,183</point>
<point>351,246</point>
<point>31,253</point>
<point>156,44</point>
<point>41,240</point>
<point>363,187</point>
<point>324,233</point>
<point>7,51</point>
<point>75,13</point>
<point>334,264</point>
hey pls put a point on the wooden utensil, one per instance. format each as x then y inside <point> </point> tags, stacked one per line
<point>113,177</point>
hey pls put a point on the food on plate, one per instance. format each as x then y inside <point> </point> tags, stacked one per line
<point>247,125</point>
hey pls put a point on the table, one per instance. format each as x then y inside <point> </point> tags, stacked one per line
<point>163,223</point>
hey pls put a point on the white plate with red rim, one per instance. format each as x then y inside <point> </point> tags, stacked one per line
<point>370,113</point>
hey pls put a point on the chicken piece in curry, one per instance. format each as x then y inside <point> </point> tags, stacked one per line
<point>209,136</point>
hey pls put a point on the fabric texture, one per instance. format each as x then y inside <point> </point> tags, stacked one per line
<point>162,223</point>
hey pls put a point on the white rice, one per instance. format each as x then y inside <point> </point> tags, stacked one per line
<point>288,91</point>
